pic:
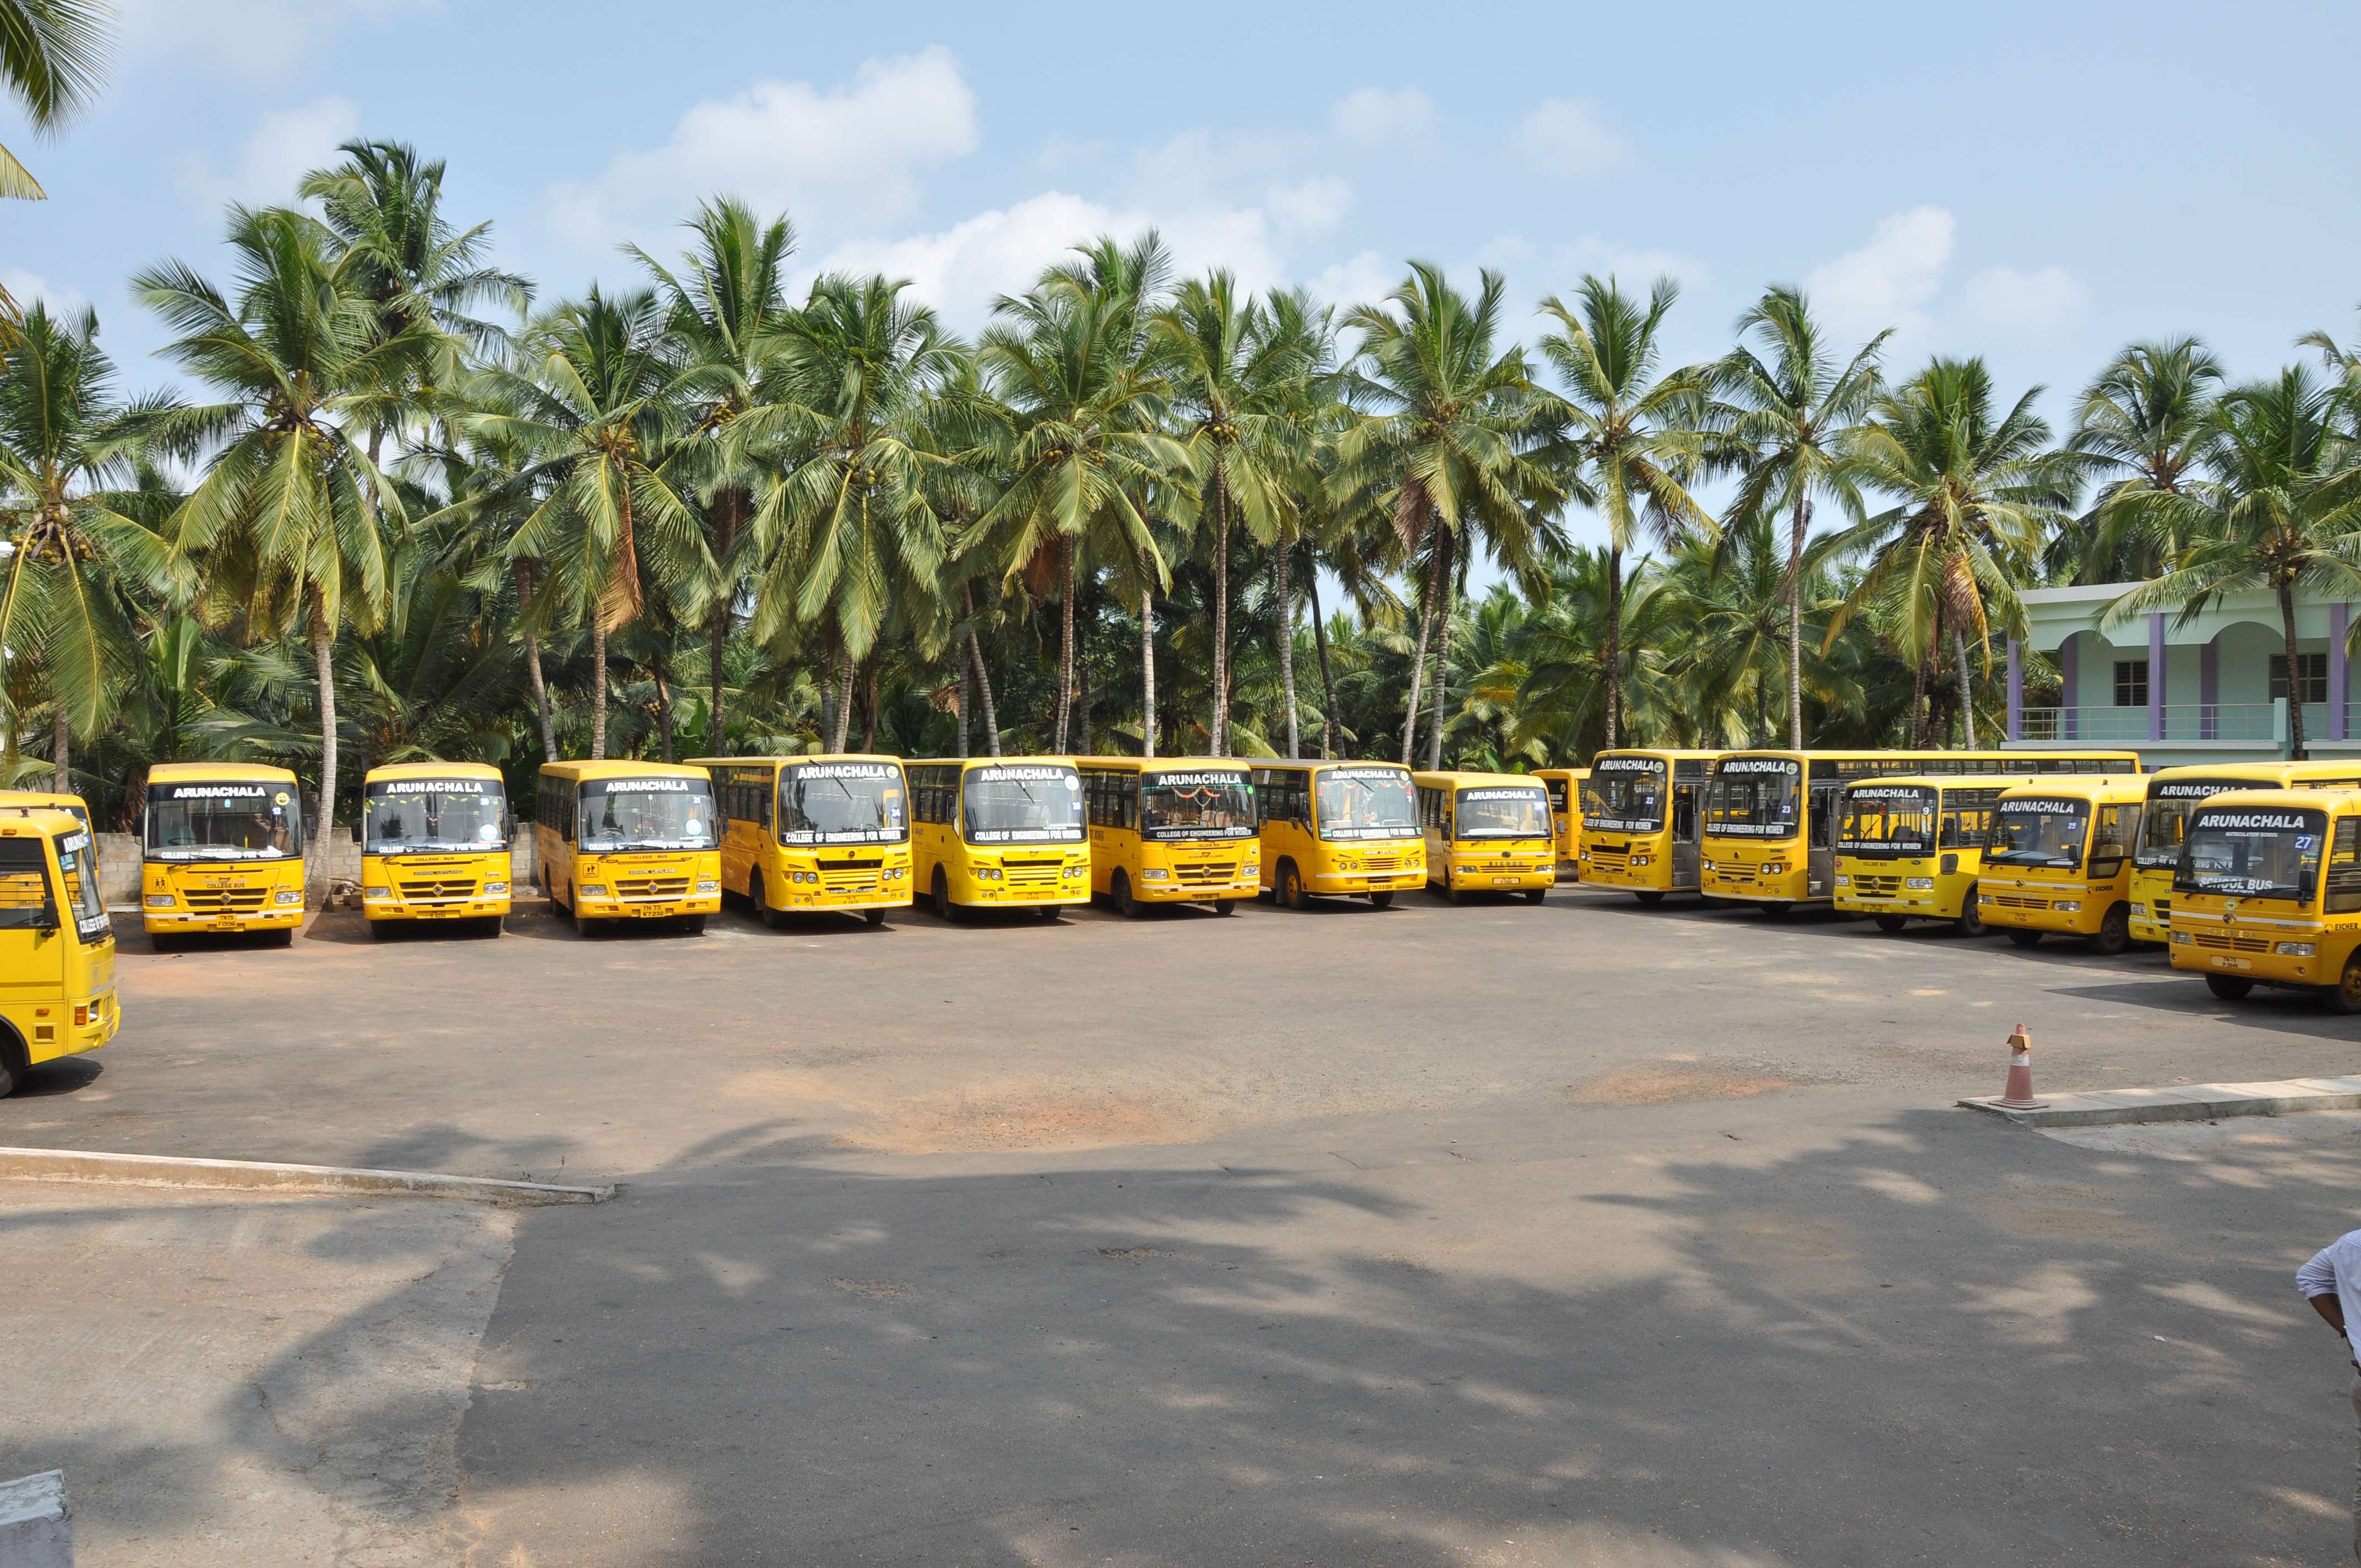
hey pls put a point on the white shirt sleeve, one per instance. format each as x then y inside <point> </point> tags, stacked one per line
<point>2317,1278</point>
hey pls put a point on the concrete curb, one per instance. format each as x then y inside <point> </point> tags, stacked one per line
<point>159,1171</point>
<point>2182,1102</point>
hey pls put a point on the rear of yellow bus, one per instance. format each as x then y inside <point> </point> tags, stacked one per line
<point>1755,825</point>
<point>1565,787</point>
<point>2268,892</point>
<point>1625,836</point>
<point>57,947</point>
<point>840,840</point>
<point>2059,861</point>
<point>1020,840</point>
<point>648,846</point>
<point>1497,836</point>
<point>434,846</point>
<point>1197,841</point>
<point>223,852</point>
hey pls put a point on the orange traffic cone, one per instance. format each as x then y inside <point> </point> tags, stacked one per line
<point>2018,1095</point>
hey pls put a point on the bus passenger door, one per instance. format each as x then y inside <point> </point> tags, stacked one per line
<point>1819,842</point>
<point>1687,874</point>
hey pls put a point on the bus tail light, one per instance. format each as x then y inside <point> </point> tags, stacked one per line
<point>81,1010</point>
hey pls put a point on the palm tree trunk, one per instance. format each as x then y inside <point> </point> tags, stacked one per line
<point>323,647</point>
<point>958,702</point>
<point>532,668</point>
<point>1081,726</point>
<point>990,714</point>
<point>1967,699</point>
<point>869,718</point>
<point>1614,649</point>
<point>1217,733</point>
<point>1327,675</point>
<point>718,634</point>
<point>1146,672</point>
<point>843,703</point>
<point>1922,698</point>
<point>664,708</point>
<point>1442,653</point>
<point>1418,664</point>
<point>597,684</point>
<point>2295,676</point>
<point>1065,646</point>
<point>1795,623</point>
<point>62,752</point>
<point>1287,646</point>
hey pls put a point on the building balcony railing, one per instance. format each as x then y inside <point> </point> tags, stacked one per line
<point>2259,723</point>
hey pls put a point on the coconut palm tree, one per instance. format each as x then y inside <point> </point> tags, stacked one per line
<point>2141,427</point>
<point>1792,413</point>
<point>2279,510</point>
<point>1629,438</point>
<point>50,54</point>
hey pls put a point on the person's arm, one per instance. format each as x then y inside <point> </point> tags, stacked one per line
<point>2317,1280</point>
<point>2331,1309</point>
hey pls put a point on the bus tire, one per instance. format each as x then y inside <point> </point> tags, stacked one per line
<point>164,942</point>
<point>760,896</point>
<point>2114,935</point>
<point>14,1065</point>
<point>1891,923</point>
<point>585,926</point>
<point>282,937</point>
<point>1126,903</point>
<point>377,929</point>
<point>2229,987</point>
<point>874,916</point>
<point>940,891</point>
<point>1381,901</point>
<point>1653,895</point>
<point>1970,922</point>
<point>1776,911</point>
<point>491,926</point>
<point>1226,906</point>
<point>2344,998</point>
<point>1535,895</point>
<point>2025,938</point>
<point>693,924</point>
<point>1050,912</point>
<point>1288,890</point>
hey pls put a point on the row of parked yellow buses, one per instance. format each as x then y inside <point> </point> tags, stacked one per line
<point>2248,873</point>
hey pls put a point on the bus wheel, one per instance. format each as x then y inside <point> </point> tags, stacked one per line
<point>2114,931</point>
<point>941,892</point>
<point>759,898</point>
<point>584,926</point>
<point>1226,906</point>
<point>874,916</point>
<point>1125,902</point>
<point>2230,988</point>
<point>282,937</point>
<point>377,929</point>
<point>13,1069</point>
<point>1891,923</point>
<point>490,925</point>
<point>1453,891</point>
<point>162,942</point>
<point>1289,890</point>
<point>1049,914</point>
<point>1776,911</point>
<point>1381,900</point>
<point>2345,996</point>
<point>693,924</point>
<point>1970,922</point>
<point>1651,896</point>
<point>1535,895</point>
<point>2025,938</point>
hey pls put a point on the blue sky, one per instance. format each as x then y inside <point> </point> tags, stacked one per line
<point>2038,183</point>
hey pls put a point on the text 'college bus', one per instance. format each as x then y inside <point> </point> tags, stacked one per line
<point>1338,829</point>
<point>1487,833</point>
<point>1565,787</point>
<point>628,841</point>
<point>1771,816</point>
<point>1171,831</point>
<point>999,833</point>
<point>815,834</point>
<point>1910,848</point>
<point>434,845</point>
<point>57,947</point>
<point>2269,892</point>
<point>222,850</point>
<point>2174,792</point>
<point>1640,814</point>
<point>2059,861</point>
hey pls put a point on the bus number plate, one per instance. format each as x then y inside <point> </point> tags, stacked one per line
<point>2233,963</point>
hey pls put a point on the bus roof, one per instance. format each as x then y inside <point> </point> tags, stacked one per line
<point>1166,765</point>
<point>16,799</point>
<point>2262,775</point>
<point>1317,764</point>
<point>2311,799</point>
<point>795,760</point>
<point>581,773</point>
<point>1560,772</point>
<point>2112,789</point>
<point>1934,755</point>
<point>1457,778</point>
<point>44,823</point>
<point>1962,781</point>
<point>217,773</point>
<point>1673,753</point>
<point>392,771</point>
<point>987,762</point>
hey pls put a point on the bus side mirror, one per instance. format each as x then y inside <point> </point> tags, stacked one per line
<point>47,923</point>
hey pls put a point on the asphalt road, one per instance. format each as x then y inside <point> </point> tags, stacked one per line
<point>1576,1233</point>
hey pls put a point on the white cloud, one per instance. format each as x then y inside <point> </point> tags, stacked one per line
<point>1565,138</point>
<point>1373,118</point>
<point>257,40</point>
<point>1363,278</point>
<point>284,146</point>
<point>1637,267</point>
<point>848,156</point>
<point>1310,207</point>
<point>1890,281</point>
<point>26,287</point>
<point>2028,304</point>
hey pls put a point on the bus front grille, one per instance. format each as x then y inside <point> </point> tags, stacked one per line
<point>1877,886</point>
<point>1614,860</point>
<point>415,891</point>
<point>1042,875</point>
<point>2162,910</point>
<point>652,888</point>
<point>836,881</point>
<point>2229,942</point>
<point>226,900</point>
<point>1382,864</point>
<point>2020,901</point>
<point>1212,871</point>
<point>851,865</point>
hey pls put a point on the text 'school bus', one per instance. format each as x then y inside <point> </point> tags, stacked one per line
<point>2174,792</point>
<point>1640,815</point>
<point>999,833</point>
<point>434,845</point>
<point>1171,831</point>
<point>627,841</point>
<point>222,850</point>
<point>1770,816</point>
<point>56,945</point>
<point>2059,861</point>
<point>2268,892</point>
<point>1565,787</point>
<point>1343,829</point>
<point>1910,848</point>
<point>814,834</point>
<point>1487,833</point>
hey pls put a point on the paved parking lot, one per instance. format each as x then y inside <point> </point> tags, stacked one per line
<point>1582,1232</point>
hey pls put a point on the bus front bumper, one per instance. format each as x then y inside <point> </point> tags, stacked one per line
<point>2256,953</point>
<point>648,908</point>
<point>2068,911</point>
<point>270,918</point>
<point>1754,882</point>
<point>101,1015</point>
<point>476,908</point>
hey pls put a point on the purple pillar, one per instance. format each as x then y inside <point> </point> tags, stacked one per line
<point>2209,690</point>
<point>2069,688</point>
<point>2339,614</point>
<point>2156,677</point>
<point>2015,689</point>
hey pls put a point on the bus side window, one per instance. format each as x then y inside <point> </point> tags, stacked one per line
<point>2344,869</point>
<point>1824,809</point>
<point>1128,788</point>
<point>2111,841</point>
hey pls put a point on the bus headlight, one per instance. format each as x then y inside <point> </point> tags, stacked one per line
<point>289,896</point>
<point>2295,949</point>
<point>1774,868</point>
<point>1156,874</point>
<point>1919,883</point>
<point>707,884</point>
<point>159,901</point>
<point>2181,938</point>
<point>2067,906</point>
<point>1843,881</point>
<point>987,873</point>
<point>495,890</point>
<point>594,890</point>
<point>1984,897</point>
<point>376,895</point>
<point>1641,859</point>
<point>1077,871</point>
<point>2140,910</point>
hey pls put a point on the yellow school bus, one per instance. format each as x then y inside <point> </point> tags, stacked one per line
<point>1171,831</point>
<point>1909,848</point>
<point>1770,817</point>
<point>73,805</point>
<point>1338,828</point>
<point>57,947</point>
<point>1565,787</point>
<point>1641,808</point>
<point>2059,861</point>
<point>626,840</point>
<point>1487,833</point>
<point>434,845</point>
<point>2174,792</point>
<point>815,834</point>
<point>999,833</point>
<point>222,849</point>
<point>2268,892</point>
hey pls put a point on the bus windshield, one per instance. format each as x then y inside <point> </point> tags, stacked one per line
<point>403,816</point>
<point>228,821</point>
<point>843,802</point>
<point>1888,819</point>
<point>646,814</point>
<point>1021,803</point>
<point>1196,806</point>
<point>2252,854</point>
<point>1366,802</point>
<point>1624,794</point>
<point>1503,812</point>
<point>2166,822</point>
<point>1755,797</point>
<point>84,907</point>
<point>2040,830</point>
